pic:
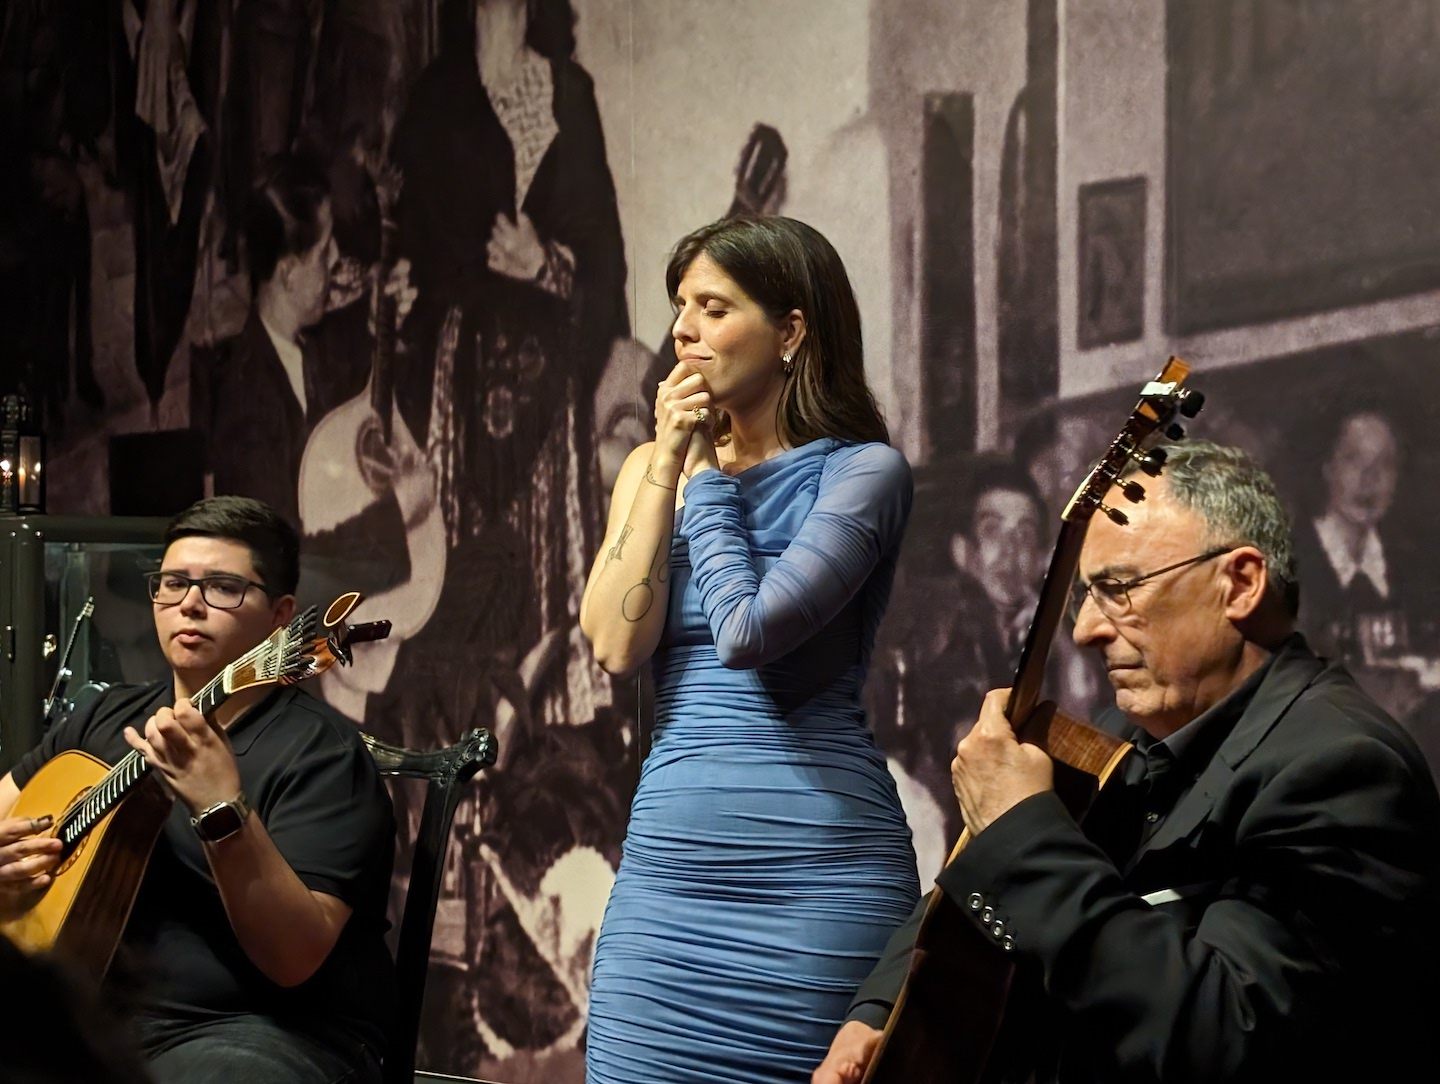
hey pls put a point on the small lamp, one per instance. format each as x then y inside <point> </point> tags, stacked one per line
<point>22,460</point>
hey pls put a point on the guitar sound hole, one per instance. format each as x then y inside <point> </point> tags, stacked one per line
<point>373,456</point>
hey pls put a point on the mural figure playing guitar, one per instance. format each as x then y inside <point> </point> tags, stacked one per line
<point>1253,897</point>
<point>255,946</point>
<point>265,389</point>
<point>291,404</point>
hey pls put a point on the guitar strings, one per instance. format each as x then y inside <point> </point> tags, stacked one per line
<point>266,657</point>
<point>116,783</point>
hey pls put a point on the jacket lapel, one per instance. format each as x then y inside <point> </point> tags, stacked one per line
<point>1294,668</point>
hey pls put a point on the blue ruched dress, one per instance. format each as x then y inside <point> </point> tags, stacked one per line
<point>767,859</point>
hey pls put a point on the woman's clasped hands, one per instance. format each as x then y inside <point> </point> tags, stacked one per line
<point>685,421</point>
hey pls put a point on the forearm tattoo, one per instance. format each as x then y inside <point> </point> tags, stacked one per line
<point>640,598</point>
<point>615,552</point>
<point>649,477</point>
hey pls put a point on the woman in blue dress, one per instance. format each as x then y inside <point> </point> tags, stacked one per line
<point>748,557</point>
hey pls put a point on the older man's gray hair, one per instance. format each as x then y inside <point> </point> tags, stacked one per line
<point>1238,502</point>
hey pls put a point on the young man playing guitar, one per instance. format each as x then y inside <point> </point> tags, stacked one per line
<point>1256,899</point>
<point>256,943</point>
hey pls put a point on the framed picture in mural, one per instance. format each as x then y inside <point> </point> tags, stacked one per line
<point>1301,157</point>
<point>1111,255</point>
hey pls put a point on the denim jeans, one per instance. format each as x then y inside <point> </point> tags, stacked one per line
<point>256,1048</point>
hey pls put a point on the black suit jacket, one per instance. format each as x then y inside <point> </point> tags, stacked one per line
<point>257,429</point>
<point>1278,924</point>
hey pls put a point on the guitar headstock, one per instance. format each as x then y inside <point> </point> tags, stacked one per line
<point>337,637</point>
<point>306,647</point>
<point>279,659</point>
<point>1161,400</point>
<point>760,173</point>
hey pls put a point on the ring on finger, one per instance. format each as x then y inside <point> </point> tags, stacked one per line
<point>702,415</point>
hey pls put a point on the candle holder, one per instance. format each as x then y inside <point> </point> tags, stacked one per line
<point>22,459</point>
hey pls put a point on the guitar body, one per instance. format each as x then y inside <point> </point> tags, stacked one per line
<point>942,1030</point>
<point>83,912</point>
<point>109,818</point>
<point>334,488</point>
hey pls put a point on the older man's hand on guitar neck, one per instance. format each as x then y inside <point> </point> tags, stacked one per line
<point>992,771</point>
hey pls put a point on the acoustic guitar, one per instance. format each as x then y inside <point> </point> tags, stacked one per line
<point>108,818</point>
<point>345,470</point>
<point>956,1017</point>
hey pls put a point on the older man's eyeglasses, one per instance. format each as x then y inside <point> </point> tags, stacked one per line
<point>222,592</point>
<point>1112,596</point>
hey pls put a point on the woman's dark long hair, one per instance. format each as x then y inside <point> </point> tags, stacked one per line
<point>784,265</point>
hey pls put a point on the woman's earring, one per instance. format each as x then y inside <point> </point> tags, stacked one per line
<point>787,362</point>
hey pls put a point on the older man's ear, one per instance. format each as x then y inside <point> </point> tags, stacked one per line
<point>1247,578</point>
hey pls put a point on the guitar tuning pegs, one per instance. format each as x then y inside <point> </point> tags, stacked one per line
<point>1116,516</point>
<point>1152,462</point>
<point>1175,431</point>
<point>1134,492</point>
<point>1190,402</point>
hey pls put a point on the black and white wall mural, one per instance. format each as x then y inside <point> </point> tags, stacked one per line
<point>397,266</point>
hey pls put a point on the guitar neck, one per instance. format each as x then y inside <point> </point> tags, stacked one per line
<point>382,372</point>
<point>291,653</point>
<point>213,693</point>
<point>1049,613</point>
<point>131,771</point>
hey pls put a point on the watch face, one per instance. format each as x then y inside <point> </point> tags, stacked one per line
<point>216,824</point>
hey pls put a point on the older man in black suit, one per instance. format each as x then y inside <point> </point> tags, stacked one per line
<point>1257,899</point>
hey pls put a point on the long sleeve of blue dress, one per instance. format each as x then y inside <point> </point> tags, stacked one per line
<point>857,521</point>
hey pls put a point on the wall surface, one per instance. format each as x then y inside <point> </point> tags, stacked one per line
<point>1037,202</point>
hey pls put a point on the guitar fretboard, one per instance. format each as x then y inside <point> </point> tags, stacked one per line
<point>103,797</point>
<point>122,779</point>
<point>265,663</point>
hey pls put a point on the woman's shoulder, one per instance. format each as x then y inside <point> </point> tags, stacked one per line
<point>440,79</point>
<point>574,91</point>
<point>868,458</point>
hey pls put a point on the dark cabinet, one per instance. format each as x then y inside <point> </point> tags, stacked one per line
<point>49,566</point>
